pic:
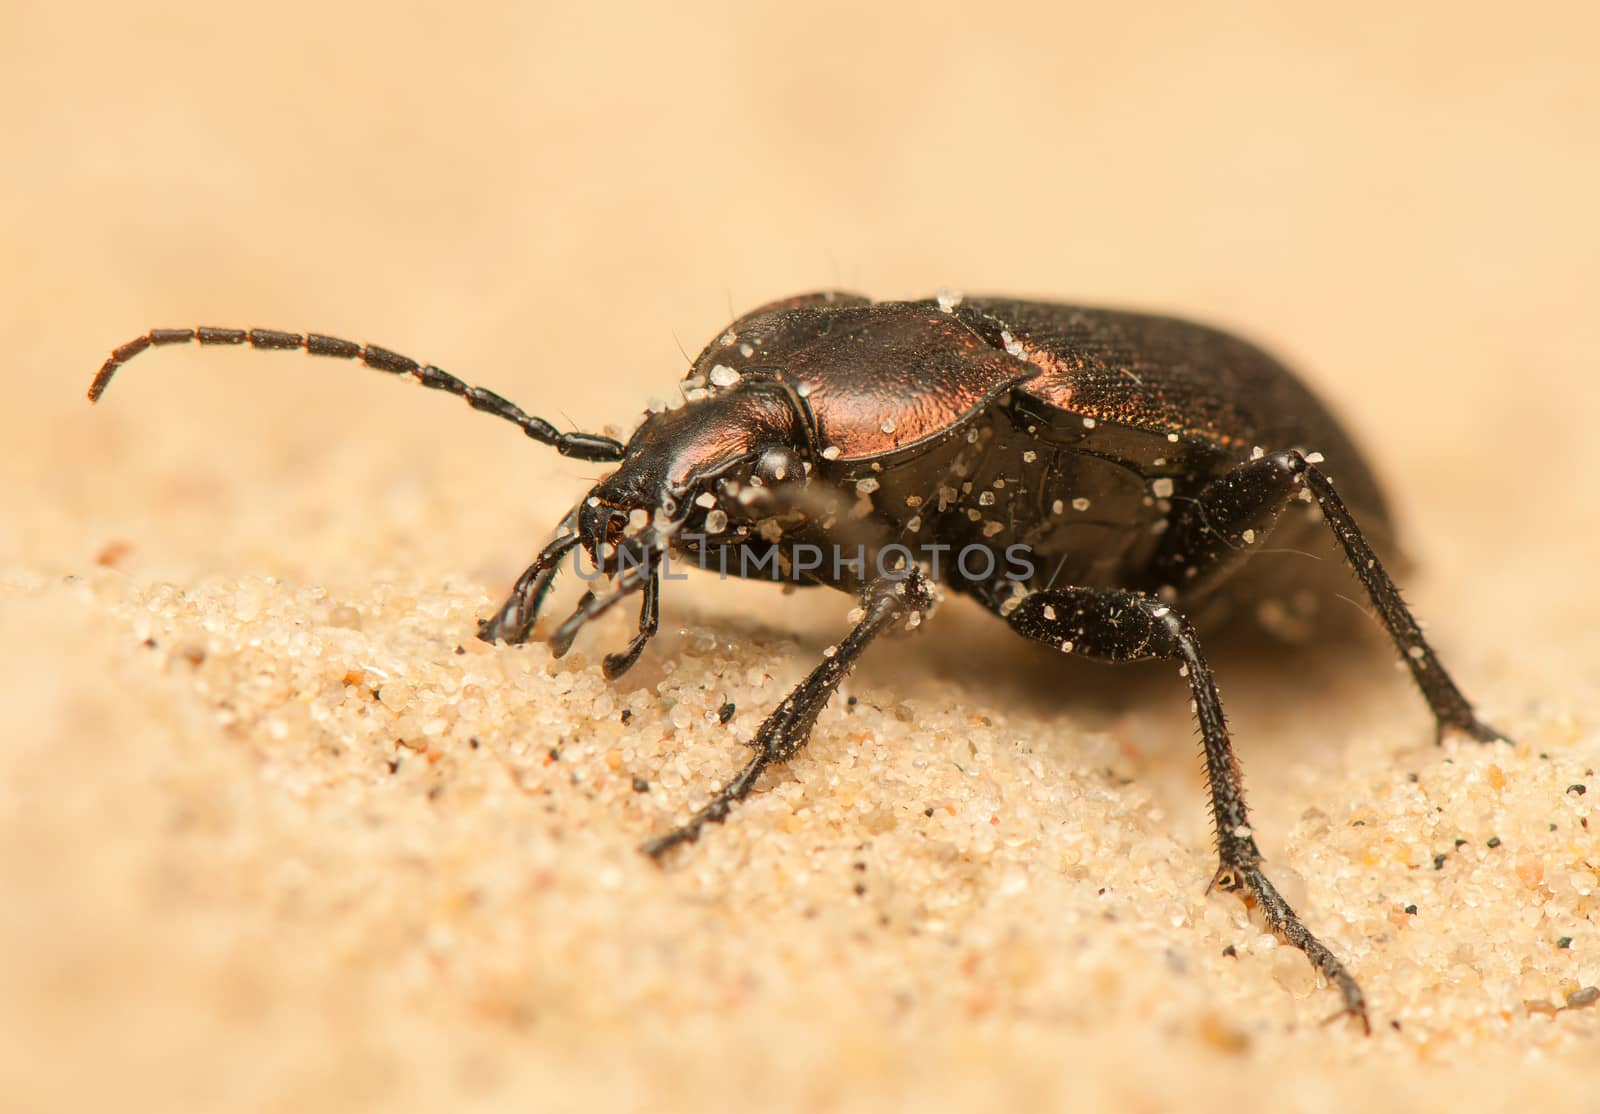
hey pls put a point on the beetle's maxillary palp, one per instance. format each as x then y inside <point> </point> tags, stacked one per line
<point>639,571</point>
<point>578,446</point>
<point>561,640</point>
<point>615,665</point>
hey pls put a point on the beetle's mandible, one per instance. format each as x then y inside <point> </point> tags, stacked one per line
<point>1097,479</point>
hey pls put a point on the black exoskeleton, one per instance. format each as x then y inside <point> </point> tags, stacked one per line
<point>1100,480</point>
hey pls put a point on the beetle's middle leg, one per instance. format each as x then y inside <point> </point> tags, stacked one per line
<point>1120,626</point>
<point>1213,534</point>
<point>788,728</point>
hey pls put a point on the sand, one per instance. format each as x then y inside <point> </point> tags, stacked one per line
<point>277,832</point>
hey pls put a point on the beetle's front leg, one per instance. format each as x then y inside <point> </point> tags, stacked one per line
<point>1218,530</point>
<point>512,622</point>
<point>1123,626</point>
<point>788,728</point>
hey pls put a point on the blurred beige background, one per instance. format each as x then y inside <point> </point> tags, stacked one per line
<point>557,201</point>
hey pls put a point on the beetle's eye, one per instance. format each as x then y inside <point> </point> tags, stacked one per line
<point>776,466</point>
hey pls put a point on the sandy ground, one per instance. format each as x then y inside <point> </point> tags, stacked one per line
<point>269,841</point>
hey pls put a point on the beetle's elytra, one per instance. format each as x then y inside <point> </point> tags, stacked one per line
<point>1099,480</point>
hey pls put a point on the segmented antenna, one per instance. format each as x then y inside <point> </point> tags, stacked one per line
<point>579,446</point>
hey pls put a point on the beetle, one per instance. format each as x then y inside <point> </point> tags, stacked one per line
<point>1109,473</point>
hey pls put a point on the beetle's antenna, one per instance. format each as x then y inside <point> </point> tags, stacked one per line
<point>579,446</point>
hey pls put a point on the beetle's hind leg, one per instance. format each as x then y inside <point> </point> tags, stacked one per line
<point>1121,626</point>
<point>1213,534</point>
<point>789,726</point>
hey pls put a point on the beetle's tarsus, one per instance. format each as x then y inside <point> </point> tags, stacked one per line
<point>1288,926</point>
<point>1476,730</point>
<point>716,810</point>
<point>658,846</point>
<point>1356,1010</point>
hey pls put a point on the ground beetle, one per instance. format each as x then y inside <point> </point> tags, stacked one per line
<point>1134,462</point>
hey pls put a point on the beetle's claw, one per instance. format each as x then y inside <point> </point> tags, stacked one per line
<point>1356,1010</point>
<point>1475,729</point>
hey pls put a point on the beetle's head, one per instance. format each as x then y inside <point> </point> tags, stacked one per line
<point>714,464</point>
<point>714,468</point>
